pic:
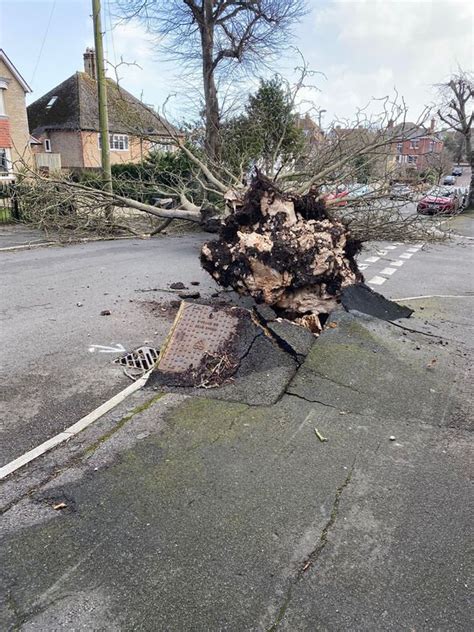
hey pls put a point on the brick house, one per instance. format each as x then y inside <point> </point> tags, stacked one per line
<point>66,121</point>
<point>15,149</point>
<point>313,134</point>
<point>417,147</point>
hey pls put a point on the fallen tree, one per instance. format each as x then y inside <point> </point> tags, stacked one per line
<point>284,250</point>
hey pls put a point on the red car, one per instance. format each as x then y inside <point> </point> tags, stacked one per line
<point>337,197</point>
<point>439,201</point>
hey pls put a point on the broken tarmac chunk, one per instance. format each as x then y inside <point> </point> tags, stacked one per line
<point>177,286</point>
<point>189,294</point>
<point>361,298</point>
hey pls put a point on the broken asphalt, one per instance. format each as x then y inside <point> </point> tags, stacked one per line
<point>179,512</point>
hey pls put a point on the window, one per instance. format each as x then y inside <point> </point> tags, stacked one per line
<point>164,147</point>
<point>117,142</point>
<point>399,147</point>
<point>414,144</point>
<point>412,159</point>
<point>51,102</point>
<point>5,163</point>
<point>47,145</point>
<point>2,102</point>
<point>432,144</point>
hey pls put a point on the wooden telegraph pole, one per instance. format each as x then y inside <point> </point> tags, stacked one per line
<point>102,98</point>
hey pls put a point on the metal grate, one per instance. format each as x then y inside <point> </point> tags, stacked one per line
<point>138,362</point>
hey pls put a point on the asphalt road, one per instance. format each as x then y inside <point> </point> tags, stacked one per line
<point>50,309</point>
<point>52,299</point>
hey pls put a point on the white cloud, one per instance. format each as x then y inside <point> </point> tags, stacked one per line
<point>374,46</point>
<point>366,48</point>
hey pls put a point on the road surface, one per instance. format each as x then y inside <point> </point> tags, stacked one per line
<point>58,350</point>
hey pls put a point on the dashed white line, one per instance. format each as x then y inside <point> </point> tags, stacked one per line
<point>397,263</point>
<point>372,259</point>
<point>377,280</point>
<point>390,247</point>
<point>406,255</point>
<point>381,252</point>
<point>414,249</point>
<point>363,266</point>
<point>388,271</point>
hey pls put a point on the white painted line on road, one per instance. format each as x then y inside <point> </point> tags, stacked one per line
<point>416,298</point>
<point>363,266</point>
<point>381,252</point>
<point>397,263</point>
<point>414,249</point>
<point>118,348</point>
<point>28,246</point>
<point>72,242</point>
<point>22,460</point>
<point>406,255</point>
<point>391,247</point>
<point>371,259</point>
<point>377,280</point>
<point>389,271</point>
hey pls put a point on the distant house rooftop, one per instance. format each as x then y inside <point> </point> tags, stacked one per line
<point>73,105</point>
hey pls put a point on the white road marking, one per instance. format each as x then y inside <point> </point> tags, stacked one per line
<point>377,280</point>
<point>381,252</point>
<point>104,349</point>
<point>406,255</point>
<point>363,266</point>
<point>414,249</point>
<point>22,460</point>
<point>391,247</point>
<point>416,298</point>
<point>372,259</point>
<point>388,271</point>
<point>397,263</point>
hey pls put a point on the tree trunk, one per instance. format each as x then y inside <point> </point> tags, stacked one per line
<point>210,90</point>
<point>470,159</point>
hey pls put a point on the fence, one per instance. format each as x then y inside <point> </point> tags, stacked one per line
<point>9,203</point>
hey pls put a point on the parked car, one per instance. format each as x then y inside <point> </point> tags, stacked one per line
<point>457,171</point>
<point>400,192</point>
<point>449,180</point>
<point>358,190</point>
<point>439,200</point>
<point>337,196</point>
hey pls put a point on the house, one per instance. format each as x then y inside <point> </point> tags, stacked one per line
<point>313,134</point>
<point>415,146</point>
<point>15,150</point>
<point>66,121</point>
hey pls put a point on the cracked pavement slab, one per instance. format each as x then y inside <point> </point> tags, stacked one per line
<point>212,515</point>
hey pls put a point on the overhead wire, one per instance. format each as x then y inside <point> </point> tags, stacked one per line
<point>109,12</point>
<point>43,42</point>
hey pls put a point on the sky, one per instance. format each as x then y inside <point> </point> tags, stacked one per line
<point>363,49</point>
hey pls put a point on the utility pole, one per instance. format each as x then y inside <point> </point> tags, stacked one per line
<point>102,98</point>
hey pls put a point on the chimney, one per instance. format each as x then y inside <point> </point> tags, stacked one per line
<point>390,124</point>
<point>89,63</point>
<point>432,125</point>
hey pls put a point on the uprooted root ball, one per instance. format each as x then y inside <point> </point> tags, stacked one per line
<point>284,251</point>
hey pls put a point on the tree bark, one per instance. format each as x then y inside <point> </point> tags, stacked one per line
<point>470,159</point>
<point>210,90</point>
